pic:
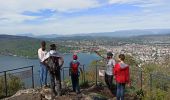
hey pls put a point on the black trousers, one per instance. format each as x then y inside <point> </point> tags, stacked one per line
<point>56,82</point>
<point>109,81</point>
<point>75,82</point>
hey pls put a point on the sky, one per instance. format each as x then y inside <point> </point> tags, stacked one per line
<point>65,17</point>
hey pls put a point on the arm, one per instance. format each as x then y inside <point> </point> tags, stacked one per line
<point>45,62</point>
<point>39,54</point>
<point>128,75</point>
<point>61,61</point>
<point>115,69</point>
<point>80,68</point>
<point>100,55</point>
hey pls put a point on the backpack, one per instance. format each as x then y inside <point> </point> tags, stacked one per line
<point>74,67</point>
<point>53,64</point>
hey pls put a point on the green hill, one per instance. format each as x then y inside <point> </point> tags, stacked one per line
<point>25,46</point>
<point>19,46</point>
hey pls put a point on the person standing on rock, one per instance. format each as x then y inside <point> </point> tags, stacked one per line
<point>121,73</point>
<point>75,73</point>
<point>54,61</point>
<point>43,69</point>
<point>109,71</point>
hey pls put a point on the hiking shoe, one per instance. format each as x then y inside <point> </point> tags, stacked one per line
<point>78,92</point>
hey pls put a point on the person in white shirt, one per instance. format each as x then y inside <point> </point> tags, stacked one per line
<point>109,70</point>
<point>43,69</point>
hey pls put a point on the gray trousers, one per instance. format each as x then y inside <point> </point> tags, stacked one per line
<point>56,82</point>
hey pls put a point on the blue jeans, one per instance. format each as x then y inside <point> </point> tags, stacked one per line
<point>43,74</point>
<point>120,91</point>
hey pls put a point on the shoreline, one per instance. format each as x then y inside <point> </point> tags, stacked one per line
<point>27,57</point>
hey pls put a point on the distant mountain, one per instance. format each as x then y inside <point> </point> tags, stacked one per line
<point>130,33</point>
<point>48,36</point>
<point>40,36</point>
<point>27,34</point>
<point>157,38</point>
<point>14,37</point>
<point>122,33</point>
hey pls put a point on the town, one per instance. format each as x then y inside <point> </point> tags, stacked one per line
<point>143,52</point>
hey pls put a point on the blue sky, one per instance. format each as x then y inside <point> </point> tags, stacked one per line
<point>81,16</point>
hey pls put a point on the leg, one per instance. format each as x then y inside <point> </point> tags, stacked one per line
<point>73,82</point>
<point>122,91</point>
<point>41,74</point>
<point>52,82</point>
<point>110,81</point>
<point>45,75</point>
<point>58,82</point>
<point>118,91</point>
<point>77,84</point>
<point>106,80</point>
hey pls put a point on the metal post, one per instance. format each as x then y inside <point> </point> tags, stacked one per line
<point>151,86</point>
<point>150,82</point>
<point>63,74</point>
<point>6,87</point>
<point>141,77</point>
<point>83,74</point>
<point>32,76</point>
<point>96,72</point>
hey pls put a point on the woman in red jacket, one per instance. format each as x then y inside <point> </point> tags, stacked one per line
<point>121,73</point>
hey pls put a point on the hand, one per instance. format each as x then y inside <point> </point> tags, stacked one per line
<point>114,77</point>
<point>129,85</point>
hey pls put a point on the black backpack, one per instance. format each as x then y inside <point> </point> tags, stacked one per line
<point>53,64</point>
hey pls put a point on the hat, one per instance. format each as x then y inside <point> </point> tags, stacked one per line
<point>52,46</point>
<point>109,54</point>
<point>75,57</point>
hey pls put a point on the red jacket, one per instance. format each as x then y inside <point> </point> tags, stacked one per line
<point>121,73</point>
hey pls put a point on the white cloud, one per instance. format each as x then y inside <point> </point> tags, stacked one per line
<point>88,24</point>
<point>122,1</point>
<point>12,9</point>
<point>141,3</point>
<point>11,19</point>
<point>34,5</point>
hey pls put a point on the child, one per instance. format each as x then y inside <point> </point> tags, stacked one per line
<point>121,72</point>
<point>74,73</point>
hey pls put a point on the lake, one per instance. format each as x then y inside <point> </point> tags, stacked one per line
<point>11,62</point>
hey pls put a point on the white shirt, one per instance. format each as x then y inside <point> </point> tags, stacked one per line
<point>41,54</point>
<point>109,66</point>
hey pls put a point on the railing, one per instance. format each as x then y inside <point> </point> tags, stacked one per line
<point>140,80</point>
<point>14,77</point>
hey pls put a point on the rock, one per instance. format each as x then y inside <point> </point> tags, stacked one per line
<point>47,93</point>
<point>89,93</point>
<point>27,91</point>
<point>63,85</point>
<point>87,98</point>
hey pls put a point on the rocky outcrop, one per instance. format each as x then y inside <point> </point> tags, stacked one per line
<point>90,93</point>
